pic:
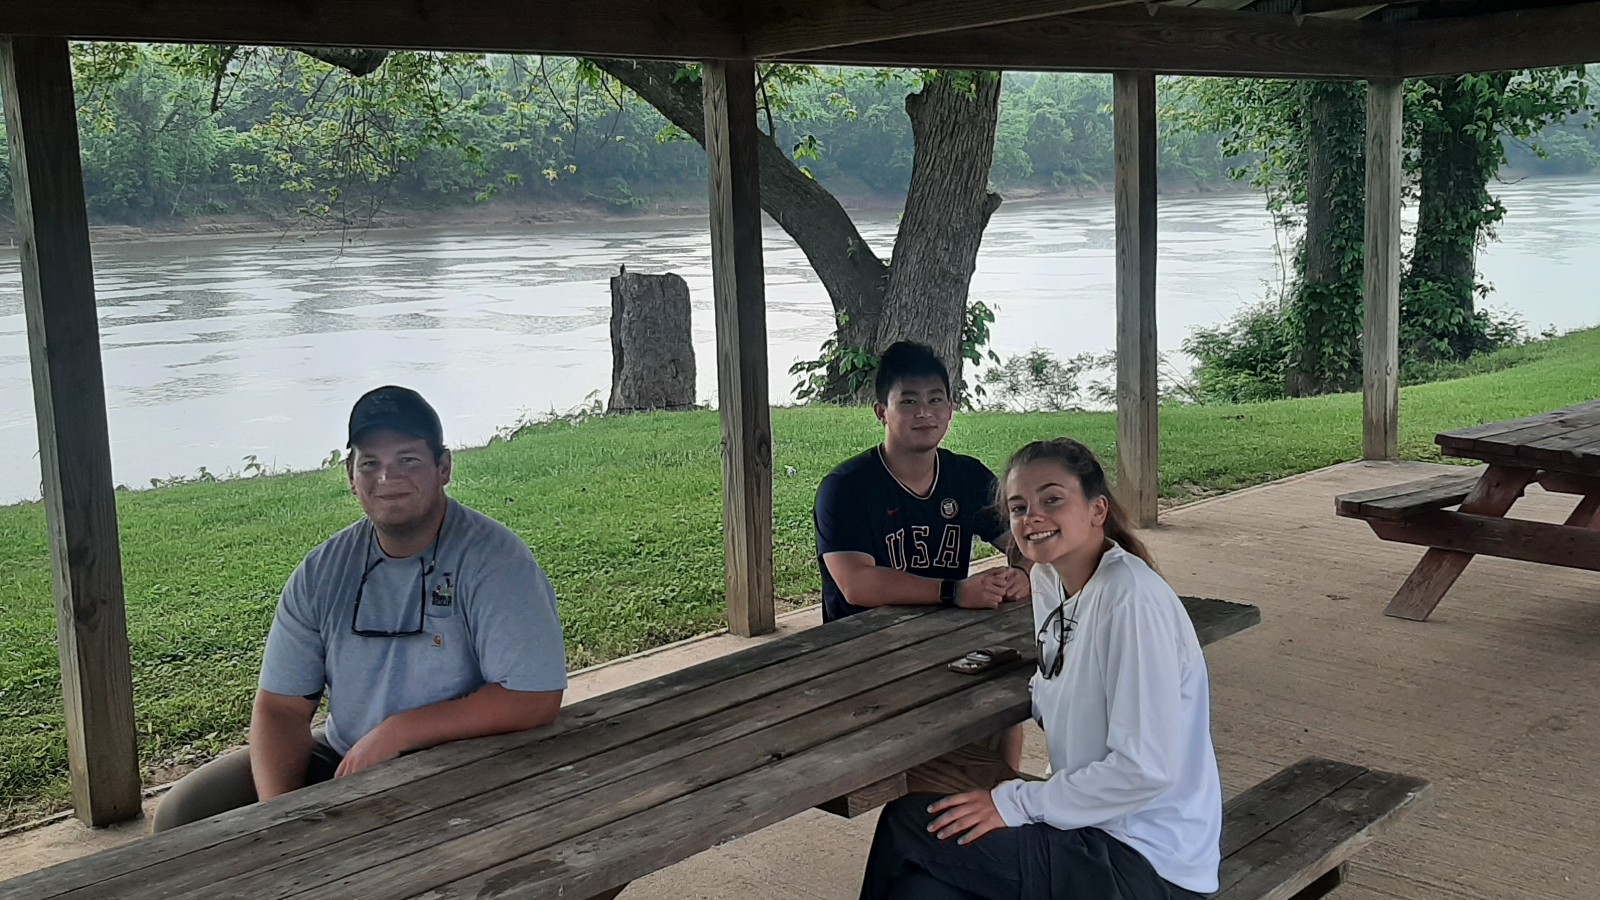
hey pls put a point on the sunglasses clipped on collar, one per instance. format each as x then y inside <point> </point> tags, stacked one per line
<point>1050,666</point>
<point>422,605</point>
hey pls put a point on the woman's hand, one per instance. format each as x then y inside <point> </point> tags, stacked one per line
<point>971,815</point>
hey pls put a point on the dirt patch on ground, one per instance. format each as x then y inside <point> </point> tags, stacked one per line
<point>65,838</point>
<point>791,604</point>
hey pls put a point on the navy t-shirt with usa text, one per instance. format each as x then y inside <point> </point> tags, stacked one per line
<point>862,508</point>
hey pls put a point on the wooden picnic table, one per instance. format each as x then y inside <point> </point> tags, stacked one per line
<point>1559,451</point>
<point>624,784</point>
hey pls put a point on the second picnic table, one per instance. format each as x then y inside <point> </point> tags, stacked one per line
<point>1559,451</point>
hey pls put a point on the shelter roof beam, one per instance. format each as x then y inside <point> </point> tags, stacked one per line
<point>628,28</point>
<point>793,26</point>
<point>1177,40</point>
<point>1521,39</point>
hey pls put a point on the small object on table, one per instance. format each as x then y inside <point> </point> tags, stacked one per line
<point>984,659</point>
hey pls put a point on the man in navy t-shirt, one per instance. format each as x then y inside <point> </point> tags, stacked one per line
<point>895,528</point>
<point>895,524</point>
<point>927,534</point>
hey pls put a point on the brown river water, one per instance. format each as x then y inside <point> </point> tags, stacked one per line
<point>219,349</point>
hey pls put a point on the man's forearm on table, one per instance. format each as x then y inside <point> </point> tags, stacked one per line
<point>491,709</point>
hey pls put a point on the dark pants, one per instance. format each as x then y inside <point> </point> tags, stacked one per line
<point>1034,862</point>
<point>226,783</point>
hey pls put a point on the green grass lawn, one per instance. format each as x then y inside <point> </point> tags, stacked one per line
<point>625,516</point>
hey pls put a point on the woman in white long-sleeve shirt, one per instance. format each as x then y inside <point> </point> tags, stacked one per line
<point>1133,810</point>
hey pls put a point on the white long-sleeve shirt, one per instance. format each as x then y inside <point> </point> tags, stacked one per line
<point>1128,722</point>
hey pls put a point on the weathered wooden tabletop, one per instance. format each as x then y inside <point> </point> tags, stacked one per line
<point>1567,440</point>
<point>625,784</point>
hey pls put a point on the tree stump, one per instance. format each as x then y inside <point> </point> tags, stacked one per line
<point>652,351</point>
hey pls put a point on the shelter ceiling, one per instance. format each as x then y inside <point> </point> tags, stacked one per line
<point>1292,38</point>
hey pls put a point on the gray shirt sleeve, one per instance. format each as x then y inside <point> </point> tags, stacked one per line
<point>515,628</point>
<point>295,663</point>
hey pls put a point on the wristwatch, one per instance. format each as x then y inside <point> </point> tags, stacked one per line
<point>947,592</point>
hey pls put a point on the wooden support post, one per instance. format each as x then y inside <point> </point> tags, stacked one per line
<point>1138,407</point>
<point>74,449</point>
<point>737,279</point>
<point>1380,336</point>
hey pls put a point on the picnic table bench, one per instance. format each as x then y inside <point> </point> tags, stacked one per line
<point>1559,451</point>
<point>632,781</point>
<point>1291,837</point>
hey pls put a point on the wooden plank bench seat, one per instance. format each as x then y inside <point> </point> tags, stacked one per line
<point>1288,838</point>
<point>1291,836</point>
<point>1403,501</point>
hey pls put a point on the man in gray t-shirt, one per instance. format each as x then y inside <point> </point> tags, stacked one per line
<point>425,622</point>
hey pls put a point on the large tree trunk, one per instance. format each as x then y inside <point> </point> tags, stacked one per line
<point>948,205</point>
<point>1457,157</point>
<point>1325,309</point>
<point>923,295</point>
